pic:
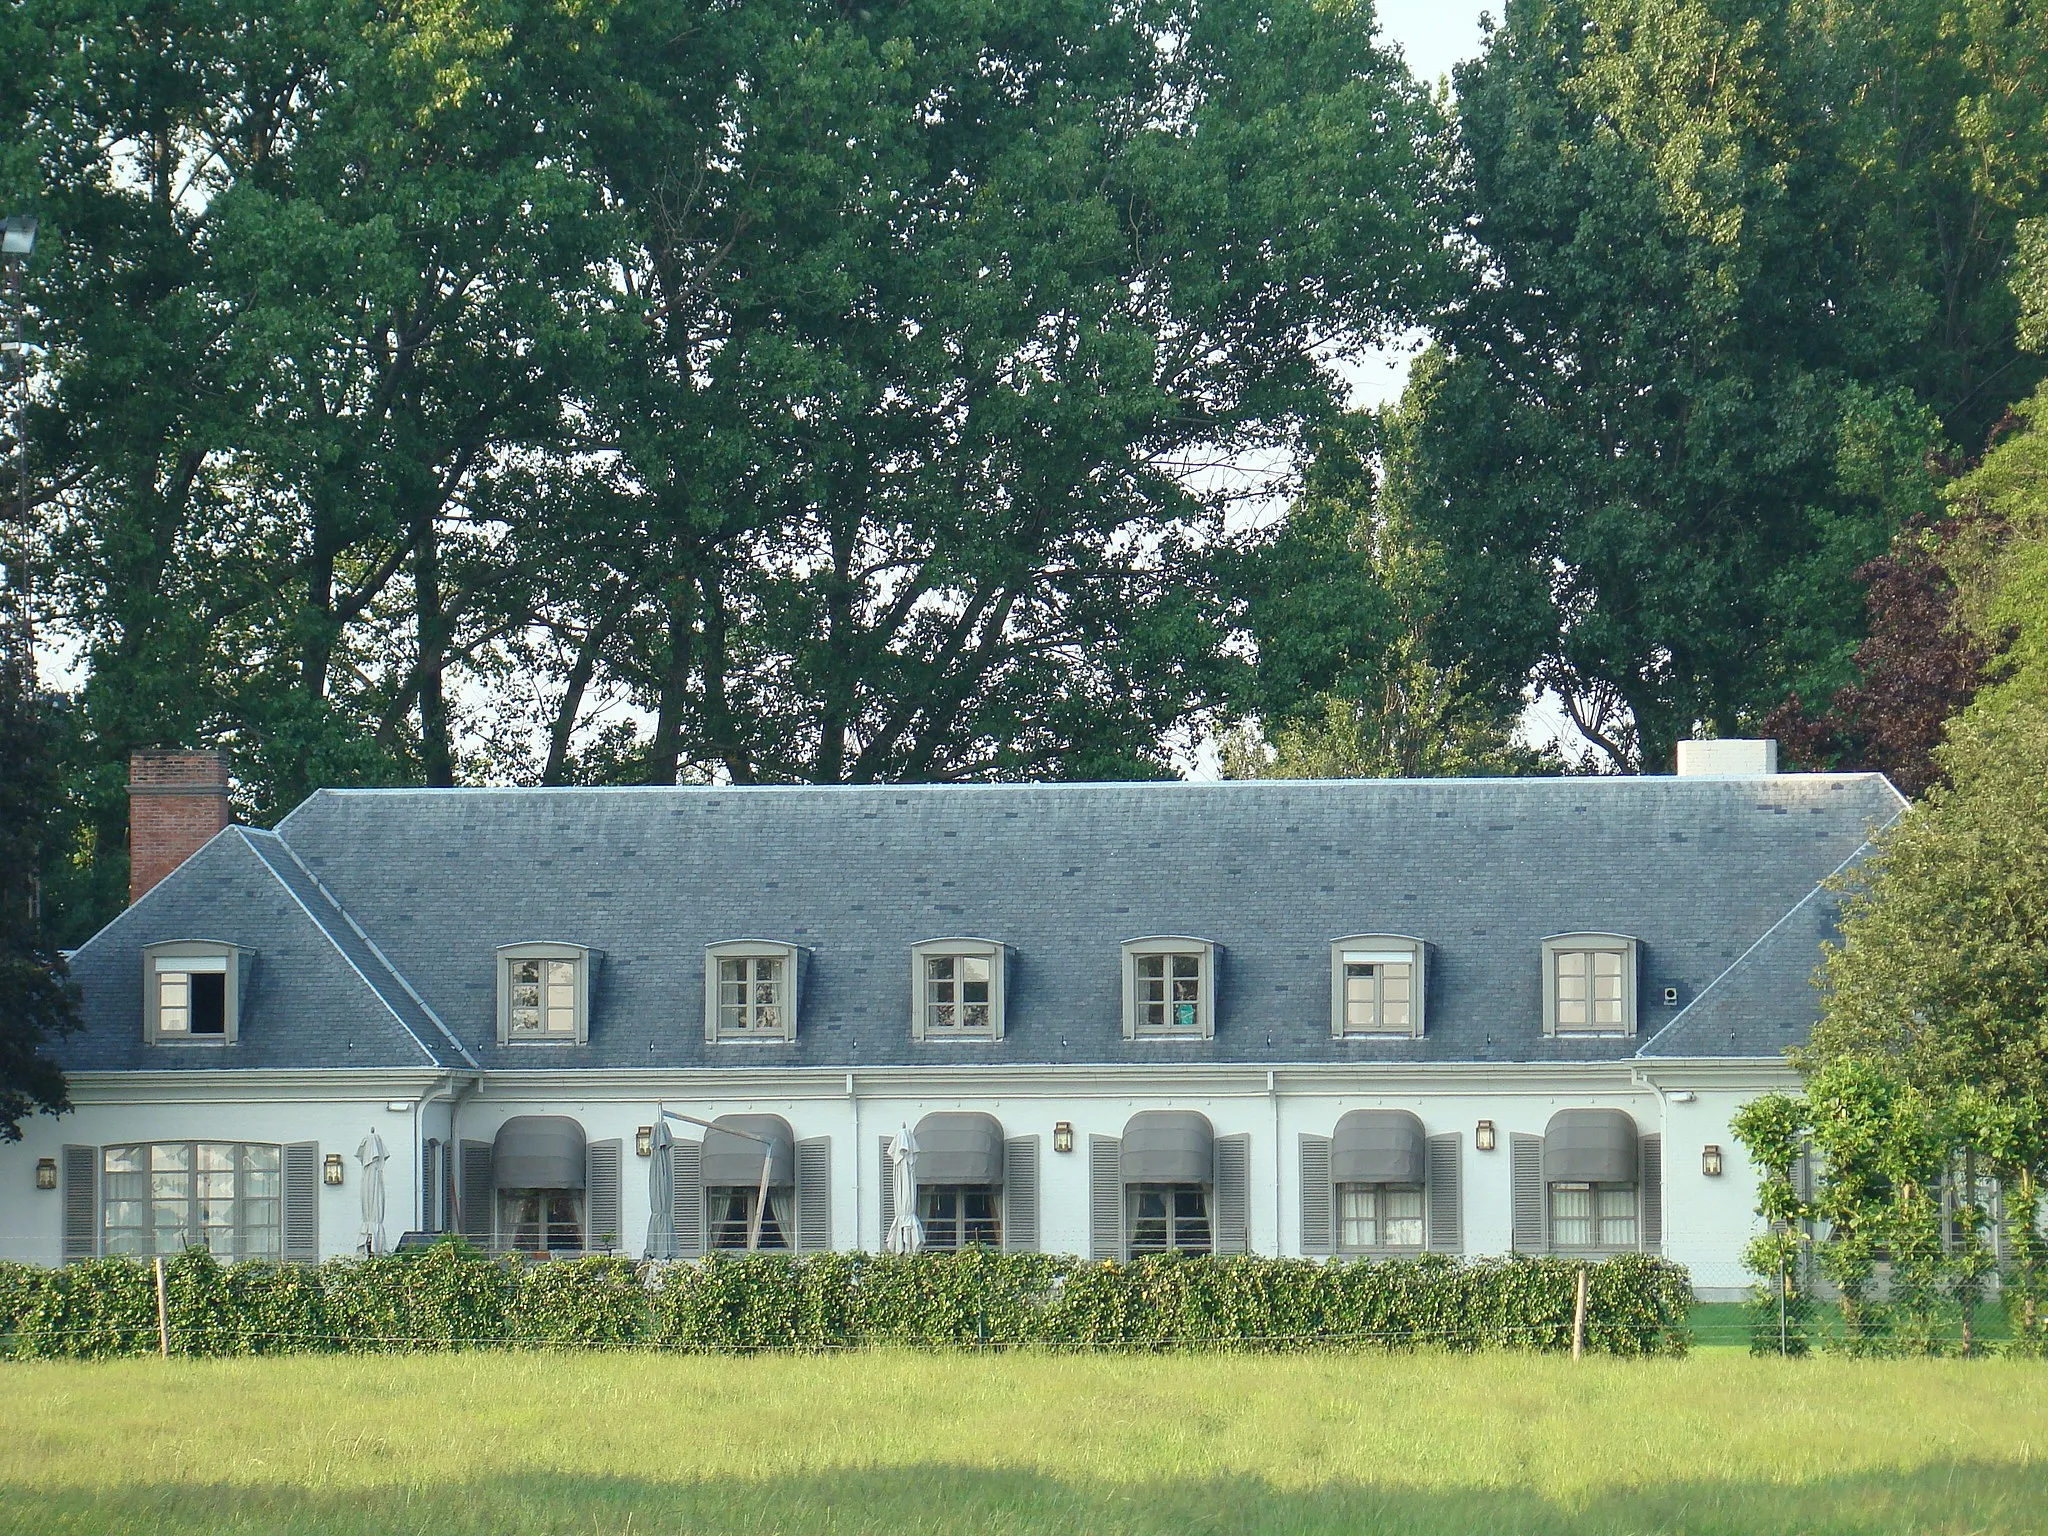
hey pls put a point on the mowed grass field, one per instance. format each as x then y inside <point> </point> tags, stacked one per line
<point>898,1442</point>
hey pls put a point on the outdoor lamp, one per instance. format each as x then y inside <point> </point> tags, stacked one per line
<point>18,236</point>
<point>643,1141</point>
<point>1063,1136</point>
<point>46,1173</point>
<point>331,1169</point>
<point>1710,1161</point>
<point>1482,1136</point>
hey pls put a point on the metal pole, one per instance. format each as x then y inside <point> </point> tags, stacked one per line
<point>767,1153</point>
<point>163,1313</point>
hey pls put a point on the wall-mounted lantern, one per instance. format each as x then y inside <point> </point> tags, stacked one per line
<point>1483,1137</point>
<point>1063,1136</point>
<point>1710,1161</point>
<point>331,1168</point>
<point>46,1173</point>
<point>643,1141</point>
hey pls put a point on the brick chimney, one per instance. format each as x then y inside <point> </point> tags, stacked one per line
<point>176,801</point>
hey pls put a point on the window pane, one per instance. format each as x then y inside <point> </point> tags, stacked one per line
<point>974,1016</point>
<point>1616,1204</point>
<point>170,1155</point>
<point>974,991</point>
<point>216,1155</point>
<point>1149,1228</point>
<point>1571,1216</point>
<point>209,1015</point>
<point>1357,1216</point>
<point>978,1220</point>
<point>1401,1216</point>
<point>1190,1218</point>
<point>1152,966</point>
<point>1187,967</point>
<point>729,1019</point>
<point>126,1159</point>
<point>939,967</point>
<point>526,973</point>
<point>768,1019</point>
<point>768,968</point>
<point>259,1157</point>
<point>942,1016</point>
<point>734,971</point>
<point>974,969</point>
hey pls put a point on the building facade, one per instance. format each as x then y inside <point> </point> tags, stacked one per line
<point>1374,1017</point>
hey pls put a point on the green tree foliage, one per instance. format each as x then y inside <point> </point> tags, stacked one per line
<point>1737,269</point>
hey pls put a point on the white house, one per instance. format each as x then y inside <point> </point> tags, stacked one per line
<point>1469,1016</point>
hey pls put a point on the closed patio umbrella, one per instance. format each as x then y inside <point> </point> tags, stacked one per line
<point>661,1195</point>
<point>906,1232</point>
<point>371,1154</point>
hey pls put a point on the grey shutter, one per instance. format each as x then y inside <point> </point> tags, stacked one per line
<point>1232,1216</point>
<point>430,1157</point>
<point>686,1161</point>
<point>1020,1195</point>
<point>302,1202</point>
<point>888,1190</point>
<point>1315,1195</point>
<point>602,1216</point>
<point>477,1224</point>
<point>1105,1199</point>
<point>1446,1159</point>
<point>1650,1151</point>
<point>1525,1176</point>
<point>814,1195</point>
<point>81,1203</point>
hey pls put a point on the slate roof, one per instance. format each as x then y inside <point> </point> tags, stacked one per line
<point>376,914</point>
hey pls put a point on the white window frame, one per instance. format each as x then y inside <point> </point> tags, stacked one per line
<point>1591,944</point>
<point>1593,1217</point>
<point>1379,1193</point>
<point>1377,949</point>
<point>580,955</point>
<point>791,956</point>
<point>997,955</point>
<point>1167,948</point>
<point>194,1229</point>
<point>193,957</point>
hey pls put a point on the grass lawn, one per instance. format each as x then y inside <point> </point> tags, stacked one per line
<point>891,1442</point>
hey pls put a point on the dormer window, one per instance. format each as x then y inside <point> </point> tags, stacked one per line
<point>192,992</point>
<point>544,994</point>
<point>751,990</point>
<point>1376,988</point>
<point>956,990</point>
<point>1589,984</point>
<point>1169,987</point>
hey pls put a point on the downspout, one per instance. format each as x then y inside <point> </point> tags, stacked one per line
<point>1279,1222</point>
<point>853,1108</point>
<point>456,1100</point>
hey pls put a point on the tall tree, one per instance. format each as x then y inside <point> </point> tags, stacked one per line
<point>1738,267</point>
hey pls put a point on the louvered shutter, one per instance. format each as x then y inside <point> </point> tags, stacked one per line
<point>1316,1237</point>
<point>814,1195</point>
<point>302,1202</point>
<point>1525,1176</point>
<point>686,1161</point>
<point>888,1191</point>
<point>477,1192</point>
<point>1446,1221</point>
<point>1020,1195</point>
<point>1232,1216</point>
<point>430,1163</point>
<point>1105,1199</point>
<point>81,1203</point>
<point>1650,1155</point>
<point>602,1215</point>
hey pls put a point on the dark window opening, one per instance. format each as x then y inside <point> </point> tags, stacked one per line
<point>1168,1218</point>
<point>542,1220</point>
<point>209,1003</point>
<point>957,1216</point>
<point>732,1212</point>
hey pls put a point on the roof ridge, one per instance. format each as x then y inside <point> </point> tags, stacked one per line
<point>1763,938</point>
<point>374,948</point>
<point>249,838</point>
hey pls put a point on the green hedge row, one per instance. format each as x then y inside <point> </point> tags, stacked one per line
<point>449,1296</point>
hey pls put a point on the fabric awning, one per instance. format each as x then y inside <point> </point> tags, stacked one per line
<point>959,1148</point>
<point>1378,1146</point>
<point>538,1152</point>
<point>730,1160</point>
<point>1168,1146</point>
<point>1589,1146</point>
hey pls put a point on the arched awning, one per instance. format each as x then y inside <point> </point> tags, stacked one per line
<point>1168,1146</point>
<point>959,1148</point>
<point>730,1160</point>
<point>1590,1146</point>
<point>1378,1146</point>
<point>538,1152</point>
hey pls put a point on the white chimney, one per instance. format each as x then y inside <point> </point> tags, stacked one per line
<point>1727,759</point>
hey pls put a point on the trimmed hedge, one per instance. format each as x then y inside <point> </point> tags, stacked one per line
<point>449,1296</point>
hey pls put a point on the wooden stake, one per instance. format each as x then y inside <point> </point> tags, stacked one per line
<point>1579,1319</point>
<point>163,1312</point>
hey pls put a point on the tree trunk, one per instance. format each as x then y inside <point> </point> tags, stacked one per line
<point>664,754</point>
<point>437,757</point>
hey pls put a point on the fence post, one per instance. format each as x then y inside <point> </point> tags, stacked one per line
<point>1579,1317</point>
<point>163,1313</point>
<point>1784,1290</point>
